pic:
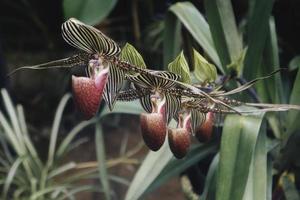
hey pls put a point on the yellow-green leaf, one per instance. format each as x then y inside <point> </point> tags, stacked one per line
<point>204,71</point>
<point>180,66</point>
<point>131,55</point>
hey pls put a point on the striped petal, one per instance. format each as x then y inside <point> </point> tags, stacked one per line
<point>113,86</point>
<point>197,119</point>
<point>88,38</point>
<point>172,106</point>
<point>146,103</point>
<point>149,81</point>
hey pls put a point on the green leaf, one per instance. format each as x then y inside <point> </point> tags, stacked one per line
<point>65,144</point>
<point>257,34</point>
<point>204,71</point>
<point>289,187</point>
<point>293,116</point>
<point>258,175</point>
<point>151,167</point>
<point>88,11</point>
<point>10,176</point>
<point>237,64</point>
<point>176,166</point>
<point>180,67</point>
<point>131,55</point>
<point>270,90</point>
<point>172,38</point>
<point>195,23</point>
<point>209,191</point>
<point>100,151</point>
<point>238,142</point>
<point>224,30</point>
<point>55,128</point>
<point>294,63</point>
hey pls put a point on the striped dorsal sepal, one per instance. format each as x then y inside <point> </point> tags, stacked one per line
<point>88,38</point>
<point>113,86</point>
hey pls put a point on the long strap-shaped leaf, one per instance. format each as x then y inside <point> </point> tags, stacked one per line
<point>88,38</point>
<point>149,81</point>
<point>113,85</point>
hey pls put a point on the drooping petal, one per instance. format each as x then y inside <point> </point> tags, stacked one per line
<point>179,141</point>
<point>114,85</point>
<point>154,130</point>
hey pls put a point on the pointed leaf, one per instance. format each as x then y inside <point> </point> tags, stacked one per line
<point>180,67</point>
<point>204,71</point>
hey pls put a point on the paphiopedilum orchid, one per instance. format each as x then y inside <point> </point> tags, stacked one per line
<point>162,94</point>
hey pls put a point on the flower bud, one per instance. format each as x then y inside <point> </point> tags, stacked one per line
<point>204,131</point>
<point>179,141</point>
<point>153,129</point>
